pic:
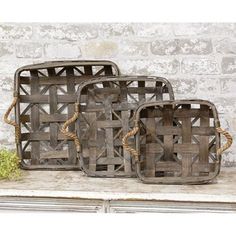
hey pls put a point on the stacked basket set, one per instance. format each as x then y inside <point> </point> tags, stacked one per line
<point>84,115</point>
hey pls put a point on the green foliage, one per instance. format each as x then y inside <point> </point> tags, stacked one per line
<point>9,165</point>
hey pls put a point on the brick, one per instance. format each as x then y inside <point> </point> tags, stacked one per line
<point>228,65</point>
<point>62,50</point>
<point>225,46</point>
<point>198,66</point>
<point>15,31</point>
<point>228,159</point>
<point>225,105</point>
<point>228,85</point>
<point>100,49</point>
<point>70,32</point>
<point>184,86</point>
<point>210,86</point>
<point>152,30</point>
<point>202,29</point>
<point>149,67</point>
<point>29,50</point>
<point>181,46</point>
<point>6,83</point>
<point>6,50</point>
<point>7,136</point>
<point>115,30</point>
<point>233,122</point>
<point>133,48</point>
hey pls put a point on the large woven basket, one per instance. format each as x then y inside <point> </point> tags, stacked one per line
<point>105,114</point>
<point>177,142</point>
<point>44,98</point>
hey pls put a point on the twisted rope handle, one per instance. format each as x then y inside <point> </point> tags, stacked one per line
<point>125,144</point>
<point>229,140</point>
<point>70,134</point>
<point>11,122</point>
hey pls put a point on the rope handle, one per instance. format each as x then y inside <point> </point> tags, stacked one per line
<point>228,138</point>
<point>11,122</point>
<point>126,146</point>
<point>69,134</point>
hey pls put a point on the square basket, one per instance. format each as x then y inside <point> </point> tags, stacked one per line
<point>44,98</point>
<point>105,114</point>
<point>177,142</point>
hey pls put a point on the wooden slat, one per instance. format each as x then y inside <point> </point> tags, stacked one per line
<point>71,109</point>
<point>186,140</point>
<point>150,157</point>
<point>92,138</point>
<point>40,136</point>
<point>125,127</point>
<point>178,113</point>
<point>53,109</point>
<point>204,140</point>
<point>57,154</point>
<point>109,134</point>
<point>46,118</point>
<point>54,80</point>
<point>168,139</point>
<point>34,89</point>
<point>39,99</point>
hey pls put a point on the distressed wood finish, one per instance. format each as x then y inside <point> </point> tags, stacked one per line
<point>106,114</point>
<point>47,93</point>
<point>178,143</point>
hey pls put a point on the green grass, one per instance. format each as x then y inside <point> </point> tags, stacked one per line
<point>9,165</point>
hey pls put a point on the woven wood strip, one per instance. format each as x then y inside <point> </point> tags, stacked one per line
<point>107,115</point>
<point>46,94</point>
<point>183,151</point>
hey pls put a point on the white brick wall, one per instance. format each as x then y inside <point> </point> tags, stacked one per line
<point>199,59</point>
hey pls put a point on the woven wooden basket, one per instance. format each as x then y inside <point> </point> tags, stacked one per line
<point>44,98</point>
<point>177,142</point>
<point>105,112</point>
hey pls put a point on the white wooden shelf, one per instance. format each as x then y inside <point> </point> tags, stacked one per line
<point>73,191</point>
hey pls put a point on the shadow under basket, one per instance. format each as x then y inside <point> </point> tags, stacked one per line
<point>176,142</point>
<point>44,99</point>
<point>105,113</point>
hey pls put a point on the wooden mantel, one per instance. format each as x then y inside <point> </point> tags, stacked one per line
<point>73,191</point>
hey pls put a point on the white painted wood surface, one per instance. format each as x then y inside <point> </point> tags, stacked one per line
<point>72,190</point>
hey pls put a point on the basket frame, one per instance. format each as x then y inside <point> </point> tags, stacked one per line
<point>108,66</point>
<point>83,85</point>
<point>183,179</point>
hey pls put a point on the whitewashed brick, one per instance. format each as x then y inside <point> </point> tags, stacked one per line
<point>181,46</point>
<point>115,30</point>
<point>15,31</point>
<point>228,85</point>
<point>6,50</point>
<point>100,49</point>
<point>149,67</point>
<point>70,32</point>
<point>62,50</point>
<point>202,29</point>
<point>225,105</point>
<point>29,50</point>
<point>152,30</point>
<point>6,83</point>
<point>211,86</point>
<point>225,46</point>
<point>200,66</point>
<point>228,65</point>
<point>184,86</point>
<point>133,48</point>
